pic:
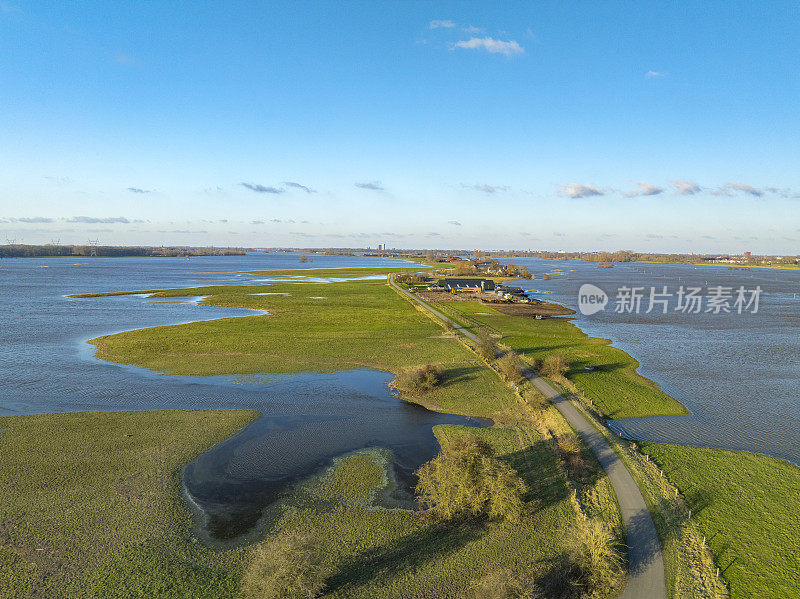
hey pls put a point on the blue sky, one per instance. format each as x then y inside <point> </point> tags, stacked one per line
<point>644,125</point>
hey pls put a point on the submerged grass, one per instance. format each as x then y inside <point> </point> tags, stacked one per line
<point>90,505</point>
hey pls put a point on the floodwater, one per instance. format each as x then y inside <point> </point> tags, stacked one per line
<point>307,419</point>
<point>738,374</point>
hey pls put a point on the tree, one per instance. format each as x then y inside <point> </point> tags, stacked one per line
<point>466,481</point>
<point>554,366</point>
<point>419,381</point>
<point>511,366</point>
<point>487,348</point>
<point>465,268</point>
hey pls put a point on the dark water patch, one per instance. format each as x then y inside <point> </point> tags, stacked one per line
<point>307,421</point>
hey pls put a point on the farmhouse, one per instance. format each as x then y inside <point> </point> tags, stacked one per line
<point>466,284</point>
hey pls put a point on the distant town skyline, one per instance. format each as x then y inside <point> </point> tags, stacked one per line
<point>580,126</point>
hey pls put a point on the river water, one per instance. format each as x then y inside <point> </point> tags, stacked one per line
<point>738,374</point>
<point>307,419</point>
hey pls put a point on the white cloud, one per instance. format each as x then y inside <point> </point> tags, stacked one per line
<point>441,24</point>
<point>744,188</point>
<point>686,188</point>
<point>486,188</point>
<point>654,74</point>
<point>644,189</point>
<point>580,190</point>
<point>491,45</point>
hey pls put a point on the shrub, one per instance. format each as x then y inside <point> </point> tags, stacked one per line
<point>466,481</point>
<point>286,566</point>
<point>511,366</point>
<point>419,381</point>
<point>554,366</point>
<point>487,348</point>
<point>569,447</point>
<point>591,567</point>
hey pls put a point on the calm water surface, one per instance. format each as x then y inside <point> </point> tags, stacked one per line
<point>739,375</point>
<point>307,419</point>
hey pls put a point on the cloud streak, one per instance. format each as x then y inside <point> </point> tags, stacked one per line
<point>686,188</point>
<point>98,220</point>
<point>730,188</point>
<point>441,24</point>
<point>374,186</point>
<point>644,189</point>
<point>32,219</point>
<point>486,188</point>
<point>580,190</point>
<point>139,190</point>
<point>491,45</point>
<point>298,186</point>
<point>262,188</point>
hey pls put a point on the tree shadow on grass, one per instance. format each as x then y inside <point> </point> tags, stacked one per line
<point>406,555</point>
<point>536,465</point>
<point>579,367</point>
<point>544,348</point>
<point>460,374</point>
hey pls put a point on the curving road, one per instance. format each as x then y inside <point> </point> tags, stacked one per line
<point>645,562</point>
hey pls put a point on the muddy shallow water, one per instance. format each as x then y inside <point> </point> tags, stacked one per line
<point>307,420</point>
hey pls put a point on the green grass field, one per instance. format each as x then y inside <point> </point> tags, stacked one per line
<point>92,508</point>
<point>358,324</point>
<point>90,505</point>
<point>748,506</point>
<point>614,385</point>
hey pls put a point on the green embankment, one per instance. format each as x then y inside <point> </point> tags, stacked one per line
<point>748,506</point>
<point>90,505</point>
<point>614,385</point>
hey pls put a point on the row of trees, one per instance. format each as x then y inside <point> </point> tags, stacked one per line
<point>493,268</point>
